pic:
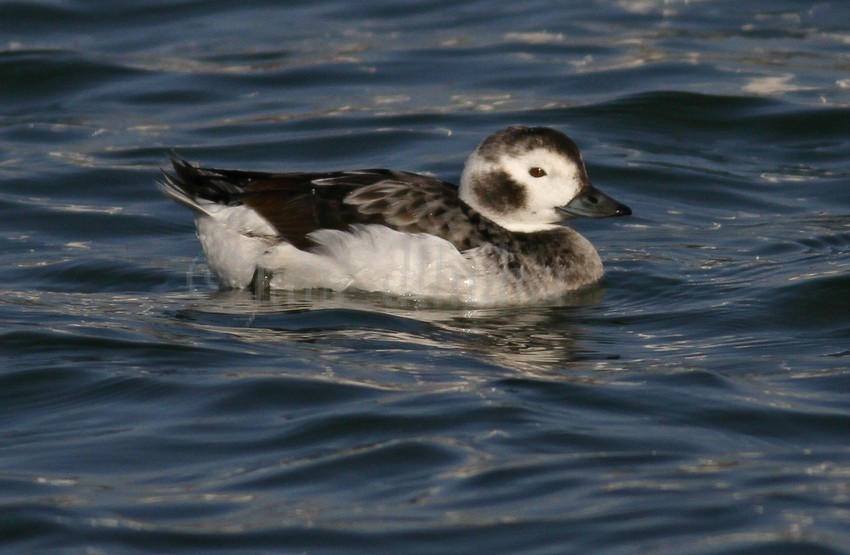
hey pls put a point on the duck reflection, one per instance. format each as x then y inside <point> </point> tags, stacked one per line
<point>538,340</point>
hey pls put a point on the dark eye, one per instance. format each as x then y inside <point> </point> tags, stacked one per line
<point>536,172</point>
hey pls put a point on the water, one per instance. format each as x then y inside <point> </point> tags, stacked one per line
<point>696,401</point>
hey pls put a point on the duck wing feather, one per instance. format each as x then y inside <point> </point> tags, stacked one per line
<point>297,204</point>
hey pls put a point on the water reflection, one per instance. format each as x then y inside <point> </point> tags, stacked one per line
<point>532,339</point>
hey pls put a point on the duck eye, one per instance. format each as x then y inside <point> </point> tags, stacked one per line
<point>536,172</point>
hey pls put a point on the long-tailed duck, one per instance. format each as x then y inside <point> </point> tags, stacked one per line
<point>499,238</point>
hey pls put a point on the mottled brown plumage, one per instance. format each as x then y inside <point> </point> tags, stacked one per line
<point>297,204</point>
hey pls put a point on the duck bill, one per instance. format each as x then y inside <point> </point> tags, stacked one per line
<point>593,203</point>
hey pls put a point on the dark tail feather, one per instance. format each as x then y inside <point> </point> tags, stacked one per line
<point>190,185</point>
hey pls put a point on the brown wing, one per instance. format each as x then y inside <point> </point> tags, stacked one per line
<point>296,204</point>
<point>429,207</point>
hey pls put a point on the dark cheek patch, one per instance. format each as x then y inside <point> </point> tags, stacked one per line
<point>499,193</point>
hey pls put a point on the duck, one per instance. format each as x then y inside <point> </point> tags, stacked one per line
<point>500,237</point>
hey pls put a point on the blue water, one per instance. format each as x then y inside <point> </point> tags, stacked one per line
<point>696,401</point>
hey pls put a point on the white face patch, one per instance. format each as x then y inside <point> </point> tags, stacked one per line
<point>560,182</point>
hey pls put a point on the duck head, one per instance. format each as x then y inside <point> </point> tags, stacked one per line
<point>530,179</point>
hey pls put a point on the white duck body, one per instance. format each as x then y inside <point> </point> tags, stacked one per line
<point>498,239</point>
